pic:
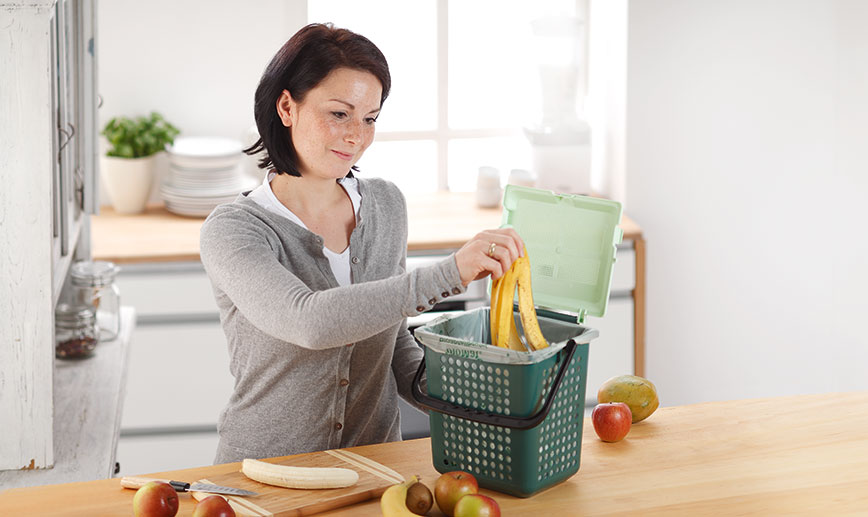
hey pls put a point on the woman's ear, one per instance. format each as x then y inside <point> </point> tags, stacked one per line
<point>285,107</point>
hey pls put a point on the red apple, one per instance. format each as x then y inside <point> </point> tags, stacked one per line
<point>155,499</point>
<point>612,421</point>
<point>477,505</point>
<point>213,506</point>
<point>450,487</point>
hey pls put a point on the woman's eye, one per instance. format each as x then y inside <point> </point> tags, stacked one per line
<point>339,114</point>
<point>370,121</point>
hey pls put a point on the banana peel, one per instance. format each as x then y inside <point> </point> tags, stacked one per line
<point>503,313</point>
<point>532,332</point>
<point>501,318</point>
<point>492,313</point>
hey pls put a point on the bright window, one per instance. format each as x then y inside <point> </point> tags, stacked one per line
<point>464,83</point>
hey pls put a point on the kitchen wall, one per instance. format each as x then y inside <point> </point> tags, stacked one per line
<point>197,63</point>
<point>746,166</point>
<point>738,154</point>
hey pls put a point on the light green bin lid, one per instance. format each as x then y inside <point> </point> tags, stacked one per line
<point>571,241</point>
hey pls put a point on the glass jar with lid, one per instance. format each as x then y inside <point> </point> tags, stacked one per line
<point>75,331</point>
<point>93,284</point>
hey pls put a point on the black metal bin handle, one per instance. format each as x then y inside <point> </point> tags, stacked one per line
<point>484,417</point>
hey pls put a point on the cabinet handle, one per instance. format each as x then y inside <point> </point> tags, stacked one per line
<point>67,135</point>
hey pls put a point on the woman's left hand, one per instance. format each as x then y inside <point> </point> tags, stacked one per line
<point>490,252</point>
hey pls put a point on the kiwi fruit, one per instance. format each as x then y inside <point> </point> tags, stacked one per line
<point>419,499</point>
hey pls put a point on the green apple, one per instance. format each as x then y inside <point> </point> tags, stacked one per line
<point>477,505</point>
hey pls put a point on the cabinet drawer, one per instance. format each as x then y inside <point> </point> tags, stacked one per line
<point>610,354</point>
<point>145,454</point>
<point>168,290</point>
<point>178,376</point>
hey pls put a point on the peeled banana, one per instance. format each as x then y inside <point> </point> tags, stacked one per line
<point>502,321</point>
<point>393,502</point>
<point>298,477</point>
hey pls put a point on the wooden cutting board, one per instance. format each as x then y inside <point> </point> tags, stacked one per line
<point>374,479</point>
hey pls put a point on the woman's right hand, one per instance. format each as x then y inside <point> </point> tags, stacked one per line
<point>490,252</point>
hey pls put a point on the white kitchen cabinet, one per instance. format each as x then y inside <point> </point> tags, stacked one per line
<point>179,377</point>
<point>167,292</point>
<point>48,171</point>
<point>613,353</point>
<point>610,354</point>
<point>145,454</point>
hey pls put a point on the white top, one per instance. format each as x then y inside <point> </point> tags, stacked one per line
<point>339,262</point>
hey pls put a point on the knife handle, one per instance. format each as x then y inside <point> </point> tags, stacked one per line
<point>137,482</point>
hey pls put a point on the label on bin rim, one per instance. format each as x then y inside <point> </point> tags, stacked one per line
<point>453,341</point>
<point>467,354</point>
<point>484,352</point>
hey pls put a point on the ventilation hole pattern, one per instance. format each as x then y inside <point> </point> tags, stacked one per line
<point>477,385</point>
<point>481,449</point>
<point>500,453</point>
<point>560,434</point>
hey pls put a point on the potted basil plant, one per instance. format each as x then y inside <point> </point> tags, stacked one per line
<point>128,166</point>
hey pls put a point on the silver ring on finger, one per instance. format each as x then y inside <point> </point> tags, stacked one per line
<point>491,248</point>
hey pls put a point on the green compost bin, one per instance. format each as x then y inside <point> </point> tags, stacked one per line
<point>514,419</point>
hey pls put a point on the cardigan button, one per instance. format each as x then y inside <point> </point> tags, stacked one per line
<point>355,260</point>
<point>344,382</point>
<point>338,426</point>
<point>420,309</point>
<point>432,301</point>
<point>444,294</point>
<point>456,290</point>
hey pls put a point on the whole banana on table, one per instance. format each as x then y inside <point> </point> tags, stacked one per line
<point>393,502</point>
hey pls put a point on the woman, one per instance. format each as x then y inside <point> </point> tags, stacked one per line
<point>308,269</point>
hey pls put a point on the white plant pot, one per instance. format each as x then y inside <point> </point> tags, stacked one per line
<point>128,182</point>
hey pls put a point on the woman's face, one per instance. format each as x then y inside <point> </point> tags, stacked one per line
<point>334,124</point>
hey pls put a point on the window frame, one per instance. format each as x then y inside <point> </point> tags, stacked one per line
<point>443,134</point>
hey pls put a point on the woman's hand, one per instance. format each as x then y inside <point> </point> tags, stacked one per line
<point>490,252</point>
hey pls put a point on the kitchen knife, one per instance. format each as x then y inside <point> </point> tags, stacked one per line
<point>180,486</point>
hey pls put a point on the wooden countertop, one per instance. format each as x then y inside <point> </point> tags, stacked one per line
<point>800,455</point>
<point>441,221</point>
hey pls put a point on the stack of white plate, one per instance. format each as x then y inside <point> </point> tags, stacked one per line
<point>203,172</point>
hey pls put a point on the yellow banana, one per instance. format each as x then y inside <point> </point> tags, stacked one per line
<point>393,502</point>
<point>526,309</point>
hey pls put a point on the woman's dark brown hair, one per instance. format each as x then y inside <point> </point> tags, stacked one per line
<point>301,64</point>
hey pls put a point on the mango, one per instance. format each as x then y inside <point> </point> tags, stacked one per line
<point>638,393</point>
